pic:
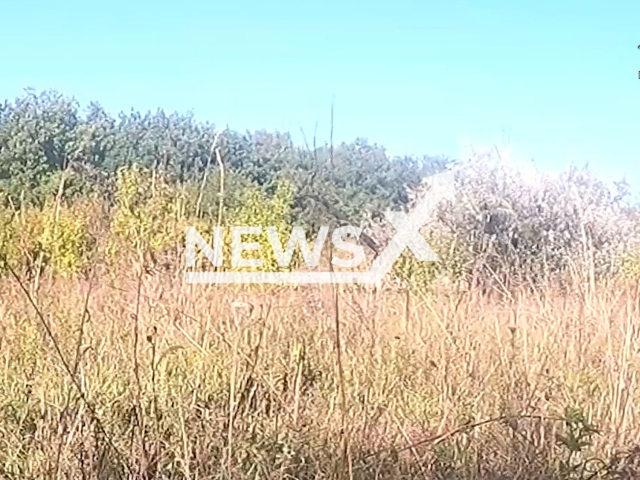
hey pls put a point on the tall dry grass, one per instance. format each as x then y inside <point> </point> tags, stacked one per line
<point>187,381</point>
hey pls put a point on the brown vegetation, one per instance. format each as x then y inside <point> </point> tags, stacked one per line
<point>209,382</point>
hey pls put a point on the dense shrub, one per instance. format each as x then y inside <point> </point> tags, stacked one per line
<point>55,237</point>
<point>147,219</point>
<point>521,228</point>
<point>261,210</point>
<point>8,235</point>
<point>155,173</point>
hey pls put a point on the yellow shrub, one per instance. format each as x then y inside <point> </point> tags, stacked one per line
<point>629,263</point>
<point>65,240</point>
<point>422,275</point>
<point>147,218</point>
<point>8,236</point>
<point>59,241</point>
<point>259,210</point>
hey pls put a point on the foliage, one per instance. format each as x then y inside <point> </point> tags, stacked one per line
<point>155,171</point>
<point>36,140</point>
<point>147,217</point>
<point>8,235</point>
<point>423,275</point>
<point>175,144</point>
<point>530,228</point>
<point>65,240</point>
<point>575,440</point>
<point>58,238</point>
<point>629,264</point>
<point>357,184</point>
<point>260,210</point>
<point>44,134</point>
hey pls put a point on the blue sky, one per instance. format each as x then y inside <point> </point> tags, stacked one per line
<point>555,81</point>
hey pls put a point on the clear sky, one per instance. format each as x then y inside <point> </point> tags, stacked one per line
<point>556,81</point>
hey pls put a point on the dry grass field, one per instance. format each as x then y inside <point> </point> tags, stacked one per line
<point>515,357</point>
<point>160,379</point>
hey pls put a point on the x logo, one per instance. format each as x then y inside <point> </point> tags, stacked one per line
<point>408,226</point>
<point>408,235</point>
